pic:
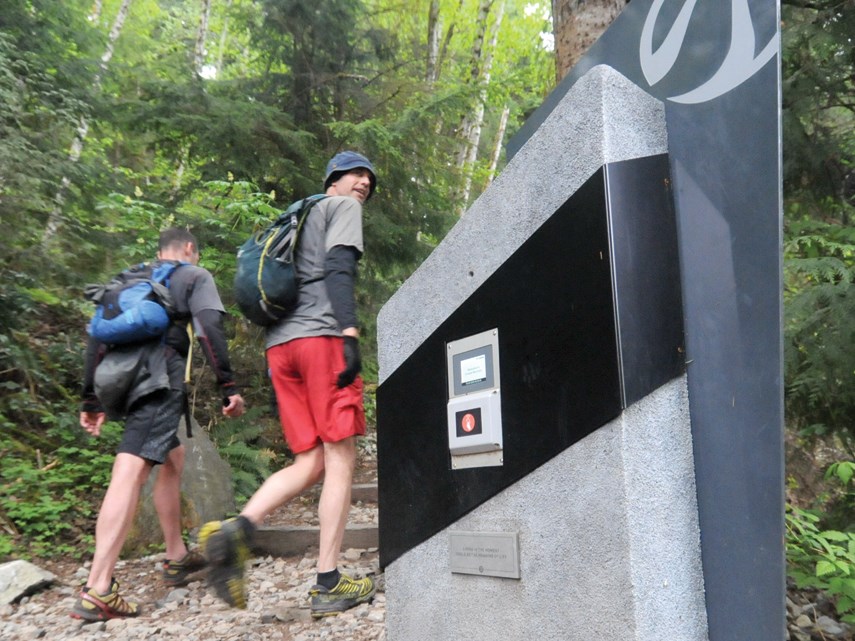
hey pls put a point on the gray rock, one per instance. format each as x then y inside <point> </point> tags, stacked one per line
<point>798,635</point>
<point>829,626</point>
<point>206,492</point>
<point>177,595</point>
<point>804,621</point>
<point>19,579</point>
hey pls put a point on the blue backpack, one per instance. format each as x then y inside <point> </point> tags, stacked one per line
<point>266,282</point>
<point>135,306</point>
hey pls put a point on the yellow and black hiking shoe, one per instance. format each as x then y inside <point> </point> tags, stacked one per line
<point>226,547</point>
<point>346,594</point>
<point>177,573</point>
<point>92,606</point>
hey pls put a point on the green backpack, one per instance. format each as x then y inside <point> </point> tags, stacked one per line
<point>266,282</point>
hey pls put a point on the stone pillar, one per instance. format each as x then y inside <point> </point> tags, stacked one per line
<point>596,481</point>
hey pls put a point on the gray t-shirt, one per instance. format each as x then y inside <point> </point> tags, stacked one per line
<point>336,220</point>
<point>193,290</point>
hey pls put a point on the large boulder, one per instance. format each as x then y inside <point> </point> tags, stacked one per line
<point>206,493</point>
<point>21,578</point>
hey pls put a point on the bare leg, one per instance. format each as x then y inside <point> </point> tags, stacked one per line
<point>116,516</point>
<point>167,502</point>
<point>284,485</point>
<point>340,461</point>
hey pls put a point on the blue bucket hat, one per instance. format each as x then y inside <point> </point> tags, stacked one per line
<point>345,161</point>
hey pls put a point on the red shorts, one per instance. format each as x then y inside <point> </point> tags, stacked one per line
<point>312,408</point>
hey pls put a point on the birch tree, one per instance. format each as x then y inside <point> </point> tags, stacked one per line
<point>446,41</point>
<point>224,33</point>
<point>201,37</point>
<point>434,27</point>
<point>497,145</point>
<point>198,67</point>
<point>55,218</point>
<point>482,62</point>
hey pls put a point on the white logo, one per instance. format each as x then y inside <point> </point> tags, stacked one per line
<point>739,64</point>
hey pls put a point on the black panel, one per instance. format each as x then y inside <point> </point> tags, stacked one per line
<point>552,304</point>
<point>646,266</point>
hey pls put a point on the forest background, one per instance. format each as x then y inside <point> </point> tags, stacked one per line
<point>121,117</point>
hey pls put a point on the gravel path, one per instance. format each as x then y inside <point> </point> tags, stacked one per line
<point>277,609</point>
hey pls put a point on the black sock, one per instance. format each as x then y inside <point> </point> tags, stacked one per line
<point>329,579</point>
<point>247,527</point>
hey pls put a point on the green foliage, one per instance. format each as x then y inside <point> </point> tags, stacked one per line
<point>822,559</point>
<point>841,470</point>
<point>819,329</point>
<point>245,445</point>
<point>818,70</point>
<point>47,499</point>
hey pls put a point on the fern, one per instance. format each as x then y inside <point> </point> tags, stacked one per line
<point>819,330</point>
<point>240,442</point>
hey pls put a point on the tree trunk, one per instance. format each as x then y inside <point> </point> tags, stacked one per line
<point>576,25</point>
<point>198,65</point>
<point>223,37</point>
<point>115,32</point>
<point>95,13</point>
<point>202,37</point>
<point>482,63</point>
<point>478,44</point>
<point>497,147</point>
<point>55,218</point>
<point>449,34</point>
<point>434,27</point>
<point>475,67</point>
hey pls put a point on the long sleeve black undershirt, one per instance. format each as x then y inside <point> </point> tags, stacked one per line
<point>339,277</point>
<point>212,337</point>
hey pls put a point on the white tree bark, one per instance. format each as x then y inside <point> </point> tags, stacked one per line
<point>449,34</point>
<point>482,64</point>
<point>202,37</point>
<point>434,27</point>
<point>95,13</point>
<point>55,217</point>
<point>198,66</point>
<point>223,37</point>
<point>497,147</point>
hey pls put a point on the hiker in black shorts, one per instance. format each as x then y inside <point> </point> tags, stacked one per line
<point>152,410</point>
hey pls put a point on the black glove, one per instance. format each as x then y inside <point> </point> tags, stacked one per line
<point>352,362</point>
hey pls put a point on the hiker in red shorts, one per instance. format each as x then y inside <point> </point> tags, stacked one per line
<point>314,362</point>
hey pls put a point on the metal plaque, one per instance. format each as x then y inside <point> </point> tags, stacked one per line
<point>485,553</point>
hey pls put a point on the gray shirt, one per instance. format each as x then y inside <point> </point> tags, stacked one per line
<point>193,290</point>
<point>336,220</point>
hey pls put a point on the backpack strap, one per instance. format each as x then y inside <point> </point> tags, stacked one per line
<point>187,370</point>
<point>303,213</point>
<point>94,292</point>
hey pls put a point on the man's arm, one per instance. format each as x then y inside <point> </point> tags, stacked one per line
<point>339,277</point>
<point>208,325</point>
<point>92,414</point>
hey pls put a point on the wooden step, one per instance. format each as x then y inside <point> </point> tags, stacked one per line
<point>280,540</point>
<point>365,492</point>
<point>292,541</point>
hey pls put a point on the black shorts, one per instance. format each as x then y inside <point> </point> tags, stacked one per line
<point>151,427</point>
